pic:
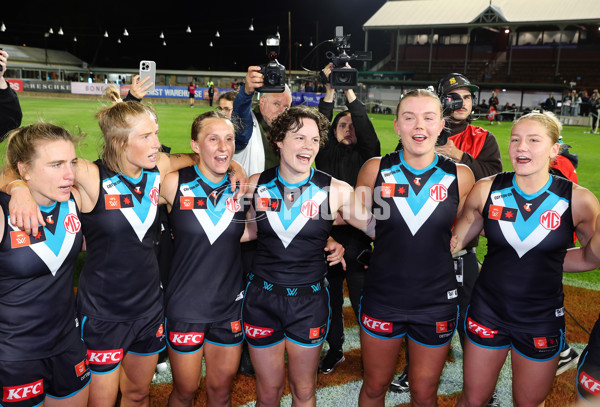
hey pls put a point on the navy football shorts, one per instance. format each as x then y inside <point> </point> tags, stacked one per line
<point>536,342</point>
<point>269,318</point>
<point>433,327</point>
<point>27,383</point>
<point>109,341</point>
<point>189,337</point>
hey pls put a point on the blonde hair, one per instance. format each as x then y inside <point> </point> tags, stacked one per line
<point>420,93</point>
<point>113,93</point>
<point>116,123</point>
<point>548,120</point>
<point>22,143</point>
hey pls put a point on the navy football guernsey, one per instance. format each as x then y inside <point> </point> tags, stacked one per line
<point>37,304</point>
<point>120,278</point>
<point>205,280</point>
<point>294,222</point>
<point>521,276</point>
<point>411,266</point>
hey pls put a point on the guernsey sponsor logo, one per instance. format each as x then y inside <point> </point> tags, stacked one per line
<point>72,223</point>
<point>589,383</point>
<point>480,330</point>
<point>550,220</point>
<point>23,391</point>
<point>186,338</point>
<point>377,325</point>
<point>105,357</point>
<point>256,332</point>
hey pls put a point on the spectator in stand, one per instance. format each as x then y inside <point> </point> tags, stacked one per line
<point>351,141</point>
<point>550,103</point>
<point>10,109</point>
<point>585,107</point>
<point>192,92</point>
<point>595,110</point>
<point>309,87</point>
<point>504,116</point>
<point>493,101</point>
<point>566,106</point>
<point>225,102</point>
<point>575,103</point>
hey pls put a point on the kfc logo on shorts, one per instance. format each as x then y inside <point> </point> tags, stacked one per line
<point>161,331</point>
<point>545,342</point>
<point>22,392</point>
<point>187,338</point>
<point>550,220</point>
<point>153,194</point>
<point>377,325</point>
<point>589,383</point>
<point>105,357</point>
<point>480,330</point>
<point>438,193</point>
<point>72,223</point>
<point>256,332</point>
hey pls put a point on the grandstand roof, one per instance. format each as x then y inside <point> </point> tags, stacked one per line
<point>396,14</point>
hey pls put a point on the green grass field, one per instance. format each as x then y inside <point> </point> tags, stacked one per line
<point>175,122</point>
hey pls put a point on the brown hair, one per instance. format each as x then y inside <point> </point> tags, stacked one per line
<point>291,120</point>
<point>198,123</point>
<point>116,122</point>
<point>230,95</point>
<point>22,143</point>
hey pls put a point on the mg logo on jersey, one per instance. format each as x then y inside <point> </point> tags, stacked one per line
<point>480,330</point>
<point>72,223</point>
<point>153,194</point>
<point>550,220</point>
<point>256,332</point>
<point>589,383</point>
<point>377,325</point>
<point>105,357</point>
<point>309,209</point>
<point>438,193</point>
<point>22,392</point>
<point>233,205</point>
<point>188,338</point>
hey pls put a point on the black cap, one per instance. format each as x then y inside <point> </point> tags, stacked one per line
<point>454,81</point>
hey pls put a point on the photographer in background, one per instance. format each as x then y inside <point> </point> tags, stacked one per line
<point>478,149</point>
<point>10,109</point>
<point>350,143</point>
<point>251,144</point>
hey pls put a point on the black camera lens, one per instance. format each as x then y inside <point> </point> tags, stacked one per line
<point>272,78</point>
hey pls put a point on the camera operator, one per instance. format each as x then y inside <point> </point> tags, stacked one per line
<point>350,143</point>
<point>10,109</point>
<point>251,144</point>
<point>478,149</point>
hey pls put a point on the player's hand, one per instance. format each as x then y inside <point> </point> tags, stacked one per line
<point>336,253</point>
<point>24,211</point>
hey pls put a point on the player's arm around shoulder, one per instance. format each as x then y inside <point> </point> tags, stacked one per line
<point>365,182</point>
<point>87,183</point>
<point>466,180</point>
<point>585,210</point>
<point>167,162</point>
<point>470,221</point>
<point>168,189</point>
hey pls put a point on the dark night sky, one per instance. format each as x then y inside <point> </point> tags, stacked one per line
<point>235,49</point>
